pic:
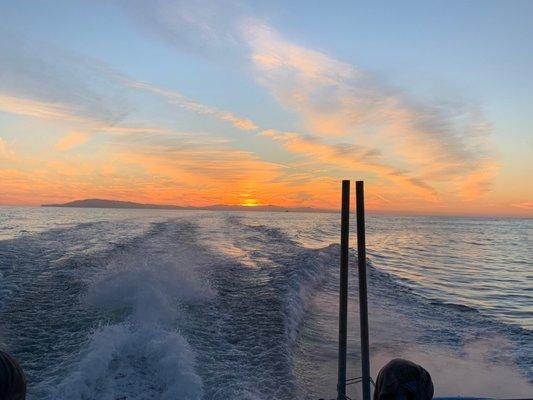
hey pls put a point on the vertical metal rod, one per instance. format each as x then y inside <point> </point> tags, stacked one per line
<point>363,305</point>
<point>343,290</point>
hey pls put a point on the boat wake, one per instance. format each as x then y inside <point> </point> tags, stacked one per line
<point>225,306</point>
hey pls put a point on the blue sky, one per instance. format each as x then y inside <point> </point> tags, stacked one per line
<point>412,81</point>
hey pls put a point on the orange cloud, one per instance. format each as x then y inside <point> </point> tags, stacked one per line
<point>526,205</point>
<point>71,140</point>
<point>212,173</point>
<point>164,169</point>
<point>445,144</point>
<point>477,183</point>
<point>356,124</point>
<point>33,108</point>
<point>354,158</point>
<point>6,151</point>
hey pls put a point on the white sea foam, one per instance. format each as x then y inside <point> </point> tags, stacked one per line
<point>133,362</point>
<point>144,355</point>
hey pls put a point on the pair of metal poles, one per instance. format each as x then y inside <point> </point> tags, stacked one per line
<point>343,292</point>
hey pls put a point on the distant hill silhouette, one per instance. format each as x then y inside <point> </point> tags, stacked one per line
<point>102,203</point>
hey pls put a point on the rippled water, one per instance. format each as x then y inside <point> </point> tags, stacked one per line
<point>153,304</point>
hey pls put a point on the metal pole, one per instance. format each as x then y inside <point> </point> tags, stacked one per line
<point>363,305</point>
<point>343,290</point>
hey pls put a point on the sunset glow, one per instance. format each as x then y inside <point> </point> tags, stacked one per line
<point>250,203</point>
<point>243,104</point>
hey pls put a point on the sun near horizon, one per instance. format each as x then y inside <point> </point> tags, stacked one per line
<point>250,203</point>
<point>269,104</point>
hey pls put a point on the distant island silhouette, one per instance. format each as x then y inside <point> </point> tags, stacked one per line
<point>102,203</point>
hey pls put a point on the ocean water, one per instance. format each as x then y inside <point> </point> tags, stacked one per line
<point>154,304</point>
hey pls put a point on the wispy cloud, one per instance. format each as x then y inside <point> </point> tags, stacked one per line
<point>180,100</point>
<point>352,158</point>
<point>46,82</point>
<point>526,205</point>
<point>38,109</point>
<point>183,169</point>
<point>206,28</point>
<point>71,140</point>
<point>348,121</point>
<point>6,151</point>
<point>206,160</point>
<point>57,83</point>
<point>437,142</point>
<point>440,144</point>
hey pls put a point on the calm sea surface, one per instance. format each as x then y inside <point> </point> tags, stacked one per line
<point>155,304</point>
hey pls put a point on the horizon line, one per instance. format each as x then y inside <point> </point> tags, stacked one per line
<point>261,208</point>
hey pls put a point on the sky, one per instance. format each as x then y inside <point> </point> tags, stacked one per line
<point>257,103</point>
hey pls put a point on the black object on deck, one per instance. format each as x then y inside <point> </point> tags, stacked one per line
<point>363,305</point>
<point>343,291</point>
